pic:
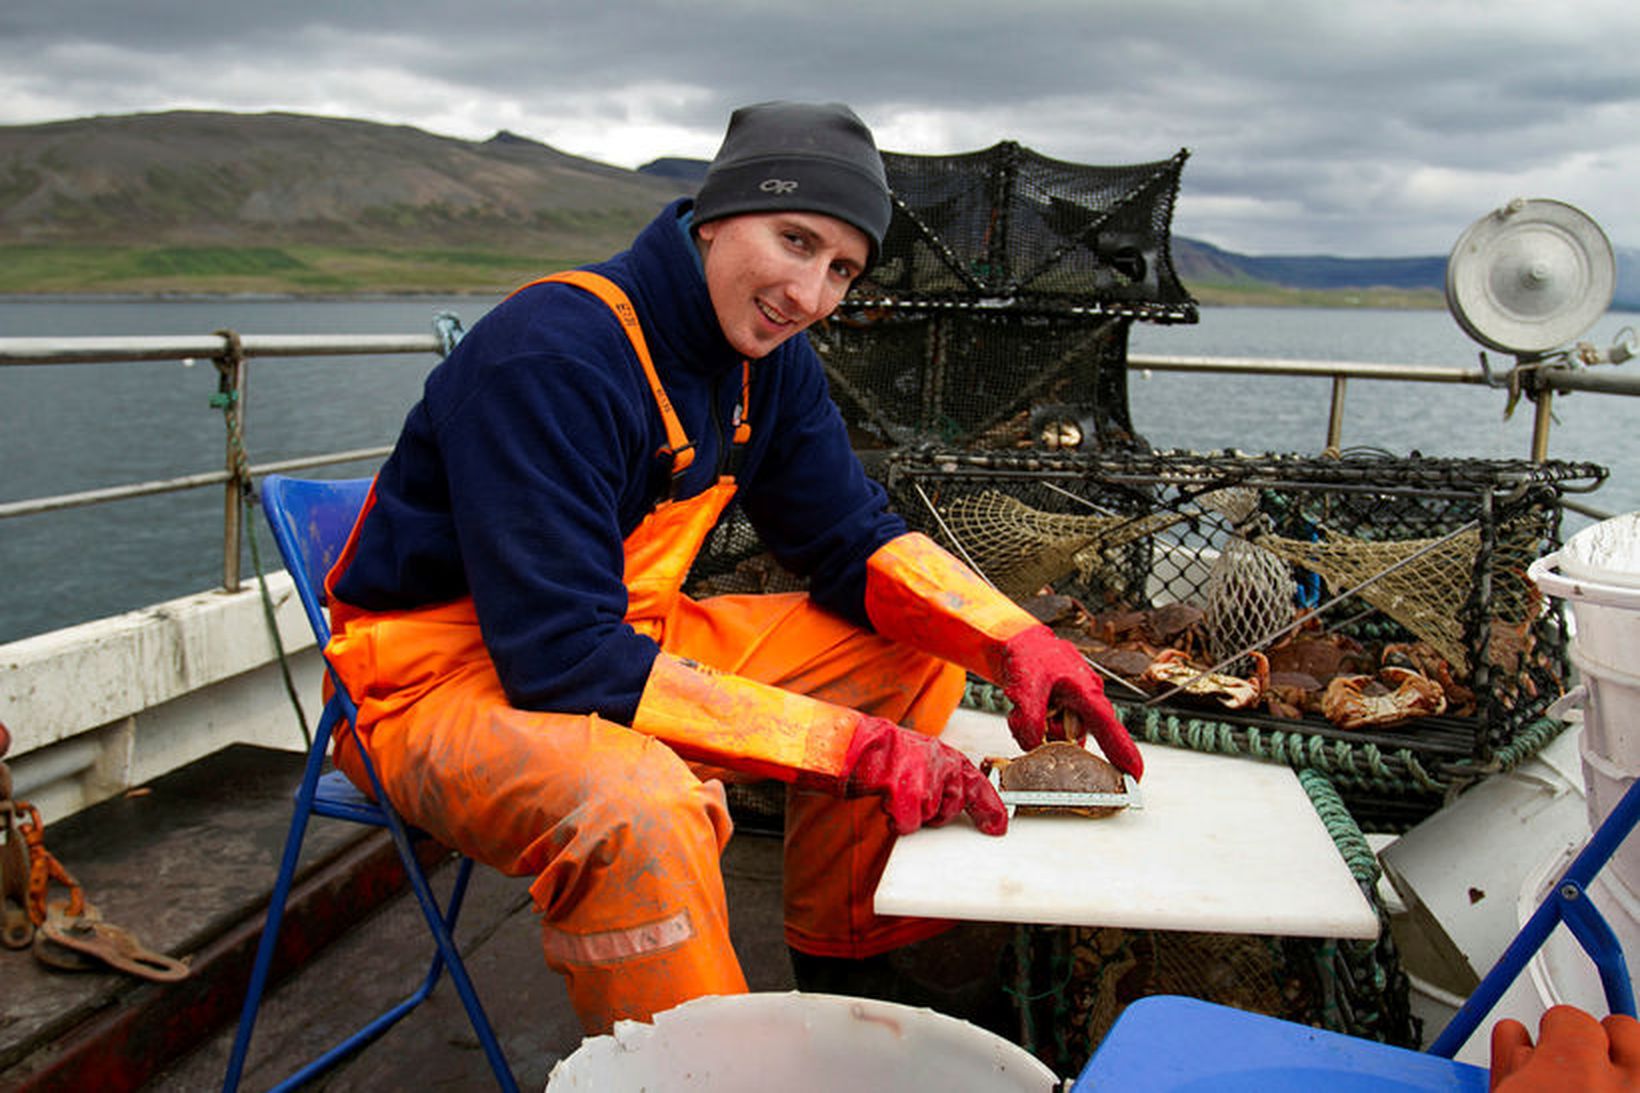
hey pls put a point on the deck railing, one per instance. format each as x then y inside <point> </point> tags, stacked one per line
<point>232,355</point>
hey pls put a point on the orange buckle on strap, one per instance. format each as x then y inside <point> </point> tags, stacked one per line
<point>682,458</point>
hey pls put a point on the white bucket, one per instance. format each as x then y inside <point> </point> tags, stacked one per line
<point>1606,782</point>
<point>1611,728</point>
<point>1600,577</point>
<point>799,1043</point>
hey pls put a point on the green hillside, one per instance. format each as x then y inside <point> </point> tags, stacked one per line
<point>205,202</point>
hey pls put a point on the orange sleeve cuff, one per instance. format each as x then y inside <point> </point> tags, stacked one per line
<point>745,726</point>
<point>919,594</point>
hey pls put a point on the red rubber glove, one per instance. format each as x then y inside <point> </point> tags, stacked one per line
<point>923,782</point>
<point>1041,672</point>
<point>1574,1051</point>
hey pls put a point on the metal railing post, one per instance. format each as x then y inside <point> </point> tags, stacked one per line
<point>1335,415</point>
<point>1542,418</point>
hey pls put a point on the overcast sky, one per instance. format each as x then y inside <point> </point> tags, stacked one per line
<point>1357,127</point>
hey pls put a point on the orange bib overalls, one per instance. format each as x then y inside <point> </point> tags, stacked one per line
<point>622,835</point>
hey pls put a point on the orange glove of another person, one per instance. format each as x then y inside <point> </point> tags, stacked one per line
<point>923,782</point>
<point>918,594</point>
<point>1573,1052</point>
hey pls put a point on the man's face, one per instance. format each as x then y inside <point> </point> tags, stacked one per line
<point>771,275</point>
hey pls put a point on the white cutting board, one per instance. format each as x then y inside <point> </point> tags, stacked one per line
<point>1222,844</point>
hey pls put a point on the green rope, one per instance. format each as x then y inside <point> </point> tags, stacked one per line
<point>269,616</point>
<point>226,399</point>
<point>1346,835</point>
<point>1364,989</point>
<point>1528,742</point>
<point>1363,767</point>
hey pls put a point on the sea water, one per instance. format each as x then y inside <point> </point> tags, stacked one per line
<point>67,428</point>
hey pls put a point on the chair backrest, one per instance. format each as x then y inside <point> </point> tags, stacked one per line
<point>311,521</point>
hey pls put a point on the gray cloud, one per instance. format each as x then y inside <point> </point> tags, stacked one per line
<point>1356,127</point>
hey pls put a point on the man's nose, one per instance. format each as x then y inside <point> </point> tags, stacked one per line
<point>807,289</point>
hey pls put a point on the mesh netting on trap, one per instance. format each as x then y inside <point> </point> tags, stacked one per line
<point>1423,584</point>
<point>1022,549</point>
<point>1012,227</point>
<point>1364,570</point>
<point>1006,286</point>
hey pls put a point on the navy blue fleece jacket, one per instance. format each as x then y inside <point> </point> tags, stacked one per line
<point>532,455</point>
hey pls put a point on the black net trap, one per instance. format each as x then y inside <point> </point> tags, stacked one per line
<point>1367,616</point>
<point>1003,296</point>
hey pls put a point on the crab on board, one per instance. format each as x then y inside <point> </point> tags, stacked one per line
<point>1291,695</point>
<point>1319,654</point>
<point>1512,641</point>
<point>1174,624</point>
<point>1180,625</point>
<point>1173,668</point>
<point>1055,610</point>
<point>1422,658</point>
<point>1397,695</point>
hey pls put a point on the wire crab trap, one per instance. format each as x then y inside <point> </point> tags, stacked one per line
<point>1001,302</point>
<point>997,316</point>
<point>1367,616</point>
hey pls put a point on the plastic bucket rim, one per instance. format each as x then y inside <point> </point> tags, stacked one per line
<point>685,1025</point>
<point>1542,573</point>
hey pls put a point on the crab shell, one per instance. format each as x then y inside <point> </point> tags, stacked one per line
<point>1060,766</point>
<point>1348,705</point>
<point>1172,668</point>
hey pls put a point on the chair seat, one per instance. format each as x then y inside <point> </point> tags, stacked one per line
<point>340,799</point>
<point>1171,1044</point>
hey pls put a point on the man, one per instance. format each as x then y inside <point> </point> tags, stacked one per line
<point>533,687</point>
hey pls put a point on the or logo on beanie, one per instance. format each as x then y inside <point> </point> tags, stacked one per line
<point>778,186</point>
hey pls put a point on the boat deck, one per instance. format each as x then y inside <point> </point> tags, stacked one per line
<point>186,864</point>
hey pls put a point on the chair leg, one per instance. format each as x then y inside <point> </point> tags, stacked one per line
<point>268,944</point>
<point>441,925</point>
<point>374,1028</point>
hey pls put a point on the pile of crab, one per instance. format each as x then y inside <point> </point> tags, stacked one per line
<point>1162,651</point>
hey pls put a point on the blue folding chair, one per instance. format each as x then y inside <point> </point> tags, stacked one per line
<point>1170,1043</point>
<point>311,521</point>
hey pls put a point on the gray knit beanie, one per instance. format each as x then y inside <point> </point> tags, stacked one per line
<point>801,157</point>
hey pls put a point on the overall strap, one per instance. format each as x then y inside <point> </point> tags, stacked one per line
<point>678,445</point>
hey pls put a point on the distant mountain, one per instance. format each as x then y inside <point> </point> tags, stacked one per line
<point>689,171</point>
<point>1318,271</point>
<point>1627,297</point>
<point>1203,263</point>
<point>200,178</point>
<point>207,179</point>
